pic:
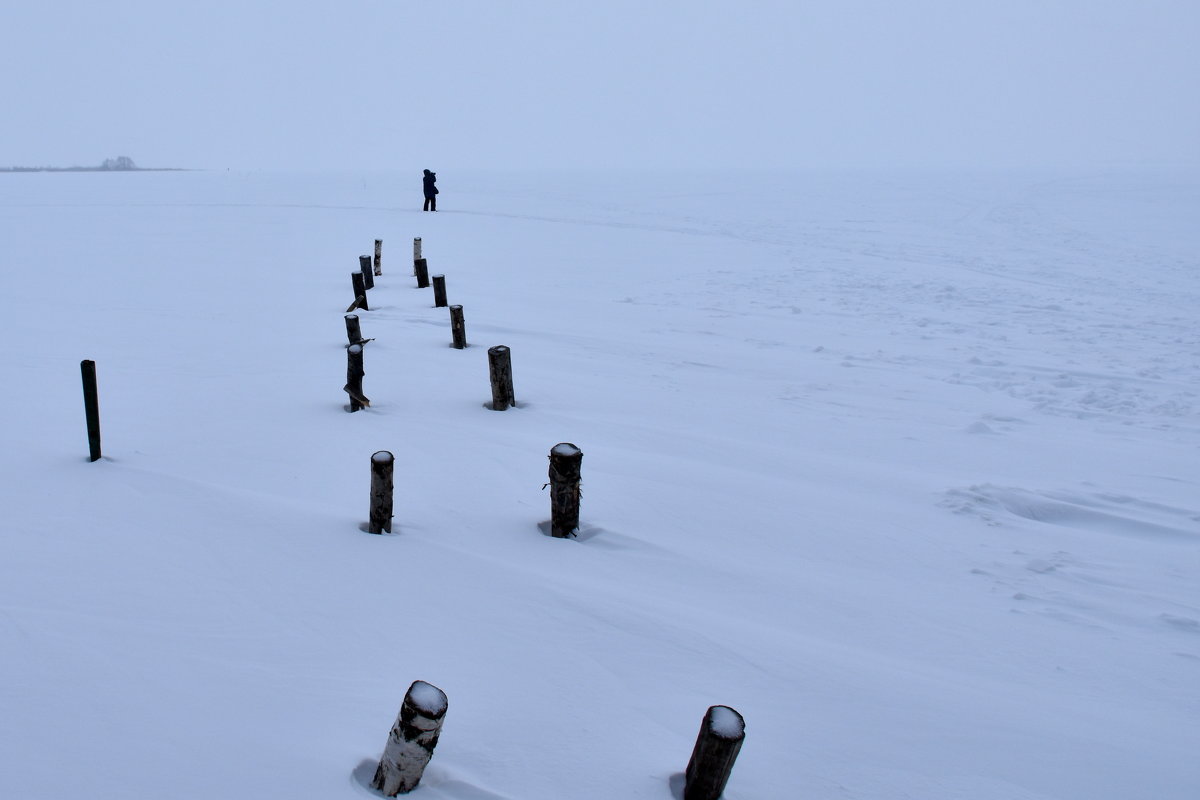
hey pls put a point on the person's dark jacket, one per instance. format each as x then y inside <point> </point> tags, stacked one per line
<point>428,182</point>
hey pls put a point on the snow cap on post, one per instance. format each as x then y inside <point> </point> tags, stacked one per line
<point>428,699</point>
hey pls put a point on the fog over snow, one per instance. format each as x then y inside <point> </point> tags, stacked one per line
<point>378,84</point>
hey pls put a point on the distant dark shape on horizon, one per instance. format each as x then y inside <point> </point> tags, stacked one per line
<point>118,163</point>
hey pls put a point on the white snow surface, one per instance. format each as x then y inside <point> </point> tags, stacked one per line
<point>903,467</point>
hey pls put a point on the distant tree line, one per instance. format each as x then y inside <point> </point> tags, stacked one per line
<point>118,164</point>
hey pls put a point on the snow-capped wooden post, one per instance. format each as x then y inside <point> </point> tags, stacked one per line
<point>353,329</point>
<point>500,372</point>
<point>421,267</point>
<point>360,290</point>
<point>91,407</point>
<point>379,256</point>
<point>412,739</point>
<point>416,253</point>
<point>566,464</point>
<point>382,464</point>
<point>717,747</point>
<point>354,376</point>
<point>439,291</point>
<point>364,266</point>
<point>458,327</point>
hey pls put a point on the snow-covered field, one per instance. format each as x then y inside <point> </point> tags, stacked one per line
<point>902,467</point>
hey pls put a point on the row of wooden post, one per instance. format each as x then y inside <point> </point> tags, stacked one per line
<point>418,726</point>
<point>361,282</point>
<point>566,465</point>
<point>499,357</point>
<point>364,279</point>
<point>500,365</point>
<point>458,328</point>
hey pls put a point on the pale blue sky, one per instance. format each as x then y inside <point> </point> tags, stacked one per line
<point>609,83</point>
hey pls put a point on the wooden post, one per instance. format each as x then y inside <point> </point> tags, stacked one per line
<point>416,248</point>
<point>412,739</point>
<point>91,408</point>
<point>500,371</point>
<point>354,376</point>
<point>566,462</point>
<point>364,266</point>
<point>421,266</point>
<point>360,290</point>
<point>379,256</point>
<point>717,747</point>
<point>439,291</point>
<point>382,463</point>
<point>458,327</point>
<point>353,330</point>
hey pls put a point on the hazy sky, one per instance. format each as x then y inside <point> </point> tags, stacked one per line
<point>608,83</point>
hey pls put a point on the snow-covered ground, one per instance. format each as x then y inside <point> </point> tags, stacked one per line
<point>902,467</point>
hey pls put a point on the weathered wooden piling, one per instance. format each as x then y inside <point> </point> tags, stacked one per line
<point>500,372</point>
<point>421,269</point>
<point>412,739</point>
<point>353,329</point>
<point>379,257</point>
<point>566,463</point>
<point>416,248</point>
<point>360,290</point>
<point>717,747</point>
<point>364,266</point>
<point>382,464</point>
<point>439,291</point>
<point>354,376</point>
<point>91,408</point>
<point>458,327</point>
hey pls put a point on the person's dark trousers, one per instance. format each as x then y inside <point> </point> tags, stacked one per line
<point>430,204</point>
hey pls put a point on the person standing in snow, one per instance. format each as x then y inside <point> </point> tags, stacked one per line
<point>430,191</point>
